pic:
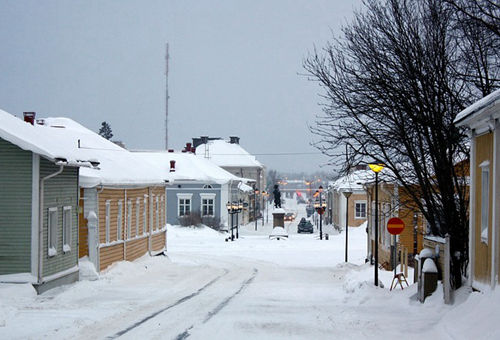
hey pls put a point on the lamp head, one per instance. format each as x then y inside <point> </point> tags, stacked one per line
<point>347,194</point>
<point>376,167</point>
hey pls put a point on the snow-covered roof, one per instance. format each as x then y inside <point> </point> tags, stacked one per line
<point>353,181</point>
<point>479,107</point>
<point>118,166</point>
<point>42,141</point>
<point>188,167</point>
<point>226,154</point>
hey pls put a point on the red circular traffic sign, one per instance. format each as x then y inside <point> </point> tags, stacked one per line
<point>395,226</point>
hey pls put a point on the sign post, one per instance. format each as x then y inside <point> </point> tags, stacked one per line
<point>395,226</point>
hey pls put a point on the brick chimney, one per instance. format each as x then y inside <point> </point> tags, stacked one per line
<point>172,166</point>
<point>234,140</point>
<point>29,117</point>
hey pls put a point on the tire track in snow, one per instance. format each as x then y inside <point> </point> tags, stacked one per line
<point>223,304</point>
<point>178,302</point>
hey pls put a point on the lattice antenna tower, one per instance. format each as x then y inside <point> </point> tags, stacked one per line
<point>167,97</point>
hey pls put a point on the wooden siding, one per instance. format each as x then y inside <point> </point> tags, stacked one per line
<point>60,191</point>
<point>137,248</point>
<point>406,213</point>
<point>15,209</point>
<point>351,204</point>
<point>482,258</point>
<point>110,254</point>
<point>158,241</point>
<point>136,244</point>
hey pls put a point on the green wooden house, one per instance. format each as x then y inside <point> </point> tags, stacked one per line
<point>38,204</point>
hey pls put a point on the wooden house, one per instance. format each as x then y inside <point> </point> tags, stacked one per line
<point>199,185</point>
<point>230,156</point>
<point>39,173</point>
<point>354,208</point>
<point>122,204</point>
<point>392,202</point>
<point>482,123</point>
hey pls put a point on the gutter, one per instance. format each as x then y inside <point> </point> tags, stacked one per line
<point>40,222</point>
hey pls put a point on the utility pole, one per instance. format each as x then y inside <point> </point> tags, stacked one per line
<point>167,57</point>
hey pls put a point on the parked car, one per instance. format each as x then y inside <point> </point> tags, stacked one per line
<point>305,226</point>
<point>289,217</point>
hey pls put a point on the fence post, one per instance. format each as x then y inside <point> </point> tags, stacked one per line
<point>446,278</point>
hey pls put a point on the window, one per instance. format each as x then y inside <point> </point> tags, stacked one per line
<point>119,221</point>
<point>67,229</point>
<point>108,220</point>
<point>360,207</point>
<point>144,216</point>
<point>207,186</point>
<point>129,219</point>
<point>184,204</point>
<point>137,214</point>
<point>485,199</point>
<point>52,231</point>
<point>207,204</point>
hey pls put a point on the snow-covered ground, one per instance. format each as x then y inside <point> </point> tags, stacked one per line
<point>252,288</point>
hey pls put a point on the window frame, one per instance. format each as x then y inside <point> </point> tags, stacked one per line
<point>67,225</point>
<point>184,197</point>
<point>107,218</point>
<point>208,197</point>
<point>485,200</point>
<point>52,216</point>
<point>119,220</point>
<point>361,203</point>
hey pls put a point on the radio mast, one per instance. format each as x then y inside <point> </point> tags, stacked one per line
<point>167,57</point>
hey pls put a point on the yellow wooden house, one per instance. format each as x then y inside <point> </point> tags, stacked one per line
<point>482,122</point>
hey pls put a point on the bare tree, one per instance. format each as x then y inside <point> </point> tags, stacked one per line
<point>392,93</point>
<point>485,12</point>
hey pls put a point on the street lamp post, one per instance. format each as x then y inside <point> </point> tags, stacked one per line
<point>239,209</point>
<point>265,194</point>
<point>230,211</point>
<point>376,168</point>
<point>255,193</point>
<point>320,208</point>
<point>347,194</point>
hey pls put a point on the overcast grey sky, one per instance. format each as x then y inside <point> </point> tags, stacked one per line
<point>233,69</point>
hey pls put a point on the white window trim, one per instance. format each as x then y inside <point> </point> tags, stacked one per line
<point>144,216</point>
<point>485,200</point>
<point>108,220</point>
<point>129,219</point>
<point>210,196</point>
<point>162,211</point>
<point>157,212</point>
<point>52,232</point>
<point>119,220</point>
<point>355,214</point>
<point>184,196</point>
<point>67,225</point>
<point>137,215</point>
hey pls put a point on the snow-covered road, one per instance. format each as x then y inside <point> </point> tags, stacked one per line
<point>252,288</point>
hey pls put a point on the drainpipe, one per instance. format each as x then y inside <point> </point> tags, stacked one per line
<point>40,222</point>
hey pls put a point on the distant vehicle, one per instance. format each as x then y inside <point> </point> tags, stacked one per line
<point>305,226</point>
<point>309,210</point>
<point>289,217</point>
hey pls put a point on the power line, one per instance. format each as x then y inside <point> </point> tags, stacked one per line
<point>269,154</point>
